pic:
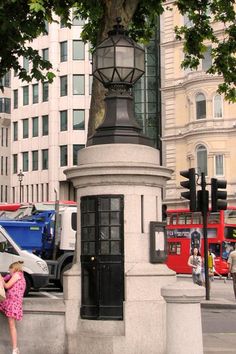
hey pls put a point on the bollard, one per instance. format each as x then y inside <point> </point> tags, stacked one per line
<point>183,318</point>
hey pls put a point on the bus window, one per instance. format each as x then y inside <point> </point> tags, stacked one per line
<point>215,249</point>
<point>213,218</point>
<point>168,220</point>
<point>188,219</point>
<point>230,232</point>
<point>227,247</point>
<point>181,220</point>
<point>197,218</point>
<point>230,216</point>
<point>173,219</point>
<point>174,248</point>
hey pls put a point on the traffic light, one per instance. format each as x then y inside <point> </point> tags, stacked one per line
<point>218,198</point>
<point>191,185</point>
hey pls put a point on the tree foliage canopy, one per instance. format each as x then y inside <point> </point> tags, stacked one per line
<point>23,20</point>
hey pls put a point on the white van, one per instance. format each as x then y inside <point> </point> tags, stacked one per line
<point>35,269</point>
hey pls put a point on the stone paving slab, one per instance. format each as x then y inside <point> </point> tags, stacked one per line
<point>219,343</point>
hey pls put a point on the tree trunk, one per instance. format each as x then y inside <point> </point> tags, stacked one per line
<point>112,9</point>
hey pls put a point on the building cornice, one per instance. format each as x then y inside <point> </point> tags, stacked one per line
<point>204,131</point>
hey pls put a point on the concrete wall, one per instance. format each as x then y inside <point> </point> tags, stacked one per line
<point>42,329</point>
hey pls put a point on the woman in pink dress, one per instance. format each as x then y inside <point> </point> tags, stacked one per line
<point>14,283</point>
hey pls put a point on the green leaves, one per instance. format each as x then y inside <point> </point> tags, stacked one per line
<point>27,21</point>
<point>203,15</point>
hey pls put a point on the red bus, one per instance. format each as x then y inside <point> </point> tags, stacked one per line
<point>185,231</point>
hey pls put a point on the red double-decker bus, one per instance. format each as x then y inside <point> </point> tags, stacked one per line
<point>185,231</point>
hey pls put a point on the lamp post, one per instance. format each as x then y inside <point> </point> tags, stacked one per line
<point>20,179</point>
<point>118,62</point>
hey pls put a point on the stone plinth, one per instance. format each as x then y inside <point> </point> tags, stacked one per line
<point>183,318</point>
<point>134,172</point>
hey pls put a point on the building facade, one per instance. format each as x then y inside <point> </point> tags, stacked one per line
<point>47,123</point>
<point>199,126</point>
<point>5,125</point>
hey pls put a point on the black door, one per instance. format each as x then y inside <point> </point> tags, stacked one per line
<point>102,256</point>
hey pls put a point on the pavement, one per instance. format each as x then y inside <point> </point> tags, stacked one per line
<point>221,298</point>
<point>221,293</point>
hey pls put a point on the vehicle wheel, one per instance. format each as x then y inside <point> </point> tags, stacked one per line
<point>28,284</point>
<point>67,267</point>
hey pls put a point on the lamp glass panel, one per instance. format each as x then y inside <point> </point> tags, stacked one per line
<point>139,59</point>
<point>124,57</point>
<point>137,75</point>
<point>125,74</point>
<point>107,74</point>
<point>105,57</point>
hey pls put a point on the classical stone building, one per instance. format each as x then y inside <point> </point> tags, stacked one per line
<point>199,126</point>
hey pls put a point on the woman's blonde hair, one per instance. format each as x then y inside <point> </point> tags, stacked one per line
<point>17,266</point>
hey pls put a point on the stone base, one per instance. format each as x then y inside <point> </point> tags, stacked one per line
<point>143,329</point>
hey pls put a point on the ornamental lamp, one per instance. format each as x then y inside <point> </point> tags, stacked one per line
<point>118,62</point>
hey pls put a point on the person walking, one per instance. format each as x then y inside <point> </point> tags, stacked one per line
<point>211,265</point>
<point>232,268</point>
<point>15,284</point>
<point>195,262</point>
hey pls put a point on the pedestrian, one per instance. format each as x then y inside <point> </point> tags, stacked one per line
<point>195,262</point>
<point>211,265</point>
<point>232,268</point>
<point>14,284</point>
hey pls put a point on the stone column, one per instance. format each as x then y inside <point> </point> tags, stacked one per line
<point>132,171</point>
<point>183,318</point>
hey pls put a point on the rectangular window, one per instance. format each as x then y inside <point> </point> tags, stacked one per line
<point>45,54</point>
<point>63,85</point>
<point>25,95</point>
<point>1,165</point>
<point>90,84</point>
<point>5,81</point>
<point>6,166</point>
<point>45,125</point>
<point>15,163</point>
<point>78,84</point>
<point>15,131</point>
<point>35,126</point>
<point>207,60</point>
<point>6,192</point>
<point>25,156</point>
<point>219,165</point>
<point>5,105</point>
<point>2,136</point>
<point>77,21</point>
<point>46,28</point>
<point>6,136</point>
<point>78,119</point>
<point>35,160</point>
<point>63,155</point>
<point>26,64</point>
<point>25,123</point>
<point>15,98</point>
<point>174,248</point>
<point>63,121</point>
<point>63,51</point>
<point>78,50</point>
<point>62,24</point>
<point>35,89</point>
<point>76,148</point>
<point>45,91</point>
<point>45,159</point>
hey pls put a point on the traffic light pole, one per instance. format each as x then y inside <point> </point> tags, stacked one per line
<point>204,209</point>
<point>218,202</point>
